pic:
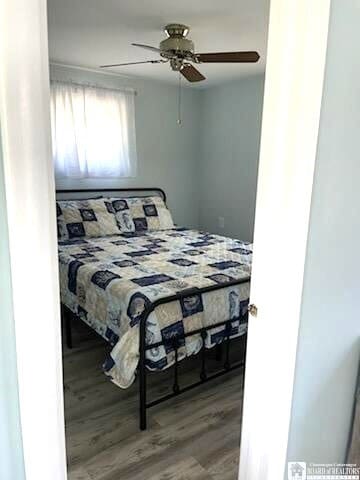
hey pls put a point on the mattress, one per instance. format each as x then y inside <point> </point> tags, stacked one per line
<point>109,281</point>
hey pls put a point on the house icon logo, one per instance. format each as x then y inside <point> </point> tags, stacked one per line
<point>297,471</point>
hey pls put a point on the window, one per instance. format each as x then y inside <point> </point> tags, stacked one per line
<point>93,131</point>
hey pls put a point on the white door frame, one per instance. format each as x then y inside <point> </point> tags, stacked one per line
<point>292,101</point>
<point>30,197</point>
<point>293,89</point>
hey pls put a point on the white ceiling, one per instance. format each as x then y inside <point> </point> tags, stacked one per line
<point>89,33</point>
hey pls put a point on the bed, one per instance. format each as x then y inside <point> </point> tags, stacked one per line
<point>157,293</point>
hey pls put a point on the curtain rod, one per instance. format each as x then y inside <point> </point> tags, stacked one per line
<point>94,85</point>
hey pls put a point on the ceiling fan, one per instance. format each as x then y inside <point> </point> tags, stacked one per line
<point>179,51</point>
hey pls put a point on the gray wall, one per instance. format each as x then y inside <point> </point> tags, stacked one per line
<point>167,153</point>
<point>11,455</point>
<point>230,137</point>
<point>328,351</point>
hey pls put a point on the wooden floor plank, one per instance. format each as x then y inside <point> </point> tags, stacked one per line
<point>223,465</point>
<point>78,474</point>
<point>194,436</point>
<point>188,469</point>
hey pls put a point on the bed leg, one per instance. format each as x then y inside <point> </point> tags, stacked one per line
<point>142,376</point>
<point>142,402</point>
<point>68,332</point>
<point>218,352</point>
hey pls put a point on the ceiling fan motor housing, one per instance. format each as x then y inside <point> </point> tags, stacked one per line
<point>177,45</point>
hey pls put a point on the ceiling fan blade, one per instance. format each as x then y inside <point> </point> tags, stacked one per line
<point>191,73</point>
<point>148,47</point>
<point>132,63</point>
<point>228,57</point>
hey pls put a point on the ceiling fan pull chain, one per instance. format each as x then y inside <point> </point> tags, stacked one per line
<point>179,102</point>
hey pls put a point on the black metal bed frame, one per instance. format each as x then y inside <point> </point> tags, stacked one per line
<point>115,189</point>
<point>176,342</point>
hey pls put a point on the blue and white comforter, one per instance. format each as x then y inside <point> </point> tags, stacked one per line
<point>108,282</point>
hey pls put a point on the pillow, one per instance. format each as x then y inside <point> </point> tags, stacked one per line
<point>85,218</point>
<point>142,214</point>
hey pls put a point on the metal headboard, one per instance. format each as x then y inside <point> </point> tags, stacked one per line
<point>100,191</point>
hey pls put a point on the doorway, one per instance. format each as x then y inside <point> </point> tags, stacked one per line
<point>55,276</point>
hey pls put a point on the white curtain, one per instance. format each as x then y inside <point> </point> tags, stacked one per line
<point>93,131</point>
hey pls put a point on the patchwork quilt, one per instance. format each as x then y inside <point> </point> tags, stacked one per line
<point>109,281</point>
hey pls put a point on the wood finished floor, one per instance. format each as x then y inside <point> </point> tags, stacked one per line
<point>193,437</point>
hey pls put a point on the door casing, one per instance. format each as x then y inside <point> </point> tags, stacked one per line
<point>292,101</point>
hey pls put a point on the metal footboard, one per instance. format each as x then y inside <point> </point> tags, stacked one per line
<point>176,343</point>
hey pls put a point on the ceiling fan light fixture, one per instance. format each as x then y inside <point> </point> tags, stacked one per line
<point>176,30</point>
<point>176,45</point>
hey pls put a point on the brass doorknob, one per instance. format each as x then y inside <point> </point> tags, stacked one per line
<point>252,309</point>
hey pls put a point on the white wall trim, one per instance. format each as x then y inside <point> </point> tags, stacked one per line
<point>293,91</point>
<point>102,71</point>
<point>30,194</point>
